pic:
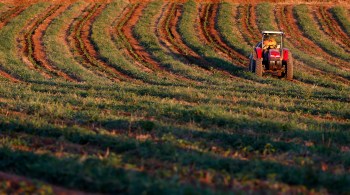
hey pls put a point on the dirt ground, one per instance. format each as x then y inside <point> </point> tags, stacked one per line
<point>25,2</point>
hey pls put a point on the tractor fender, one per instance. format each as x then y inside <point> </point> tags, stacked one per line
<point>258,51</point>
<point>285,54</point>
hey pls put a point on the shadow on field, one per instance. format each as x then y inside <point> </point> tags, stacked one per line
<point>95,174</point>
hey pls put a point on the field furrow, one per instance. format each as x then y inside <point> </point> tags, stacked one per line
<point>170,37</point>
<point>10,14</point>
<point>36,50</point>
<point>216,38</point>
<point>244,20</point>
<point>73,42</point>
<point>283,15</point>
<point>303,43</point>
<point>118,34</point>
<point>26,44</point>
<point>134,48</point>
<point>84,48</point>
<point>309,28</point>
<point>330,27</point>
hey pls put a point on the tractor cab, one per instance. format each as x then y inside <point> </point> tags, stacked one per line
<point>270,56</point>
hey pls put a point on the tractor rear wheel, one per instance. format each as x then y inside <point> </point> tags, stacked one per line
<point>290,67</point>
<point>258,67</point>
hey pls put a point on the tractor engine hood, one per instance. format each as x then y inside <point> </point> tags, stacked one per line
<point>274,55</point>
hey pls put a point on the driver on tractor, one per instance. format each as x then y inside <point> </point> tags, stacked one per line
<point>269,43</point>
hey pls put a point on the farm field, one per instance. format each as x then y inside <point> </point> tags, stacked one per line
<point>156,97</point>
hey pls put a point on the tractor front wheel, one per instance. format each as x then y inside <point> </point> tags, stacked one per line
<point>258,67</point>
<point>290,67</point>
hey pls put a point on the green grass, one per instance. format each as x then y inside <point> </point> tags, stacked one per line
<point>163,136</point>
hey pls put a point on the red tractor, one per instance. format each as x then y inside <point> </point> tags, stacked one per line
<point>269,56</point>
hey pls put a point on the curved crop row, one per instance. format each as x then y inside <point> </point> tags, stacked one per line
<point>228,29</point>
<point>214,38</point>
<point>167,30</point>
<point>302,45</point>
<point>264,21</point>
<point>5,17</point>
<point>310,29</point>
<point>172,66</point>
<point>304,50</point>
<point>330,27</point>
<point>187,26</point>
<point>342,18</point>
<point>10,14</point>
<point>250,34</point>
<point>111,47</point>
<point>32,47</point>
<point>12,63</point>
<point>36,49</point>
<point>56,39</point>
<point>125,31</point>
<point>119,35</point>
<point>86,48</point>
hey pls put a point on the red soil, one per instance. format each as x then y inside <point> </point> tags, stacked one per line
<point>120,22</point>
<point>73,42</point>
<point>39,54</point>
<point>252,21</point>
<point>6,17</point>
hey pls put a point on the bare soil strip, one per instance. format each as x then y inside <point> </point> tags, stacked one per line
<point>216,39</point>
<point>83,47</point>
<point>38,49</point>
<point>117,33</point>
<point>330,27</point>
<point>171,39</point>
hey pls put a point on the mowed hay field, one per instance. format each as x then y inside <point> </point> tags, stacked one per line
<point>156,98</point>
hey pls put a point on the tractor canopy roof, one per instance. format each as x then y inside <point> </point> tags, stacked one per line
<point>272,32</point>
